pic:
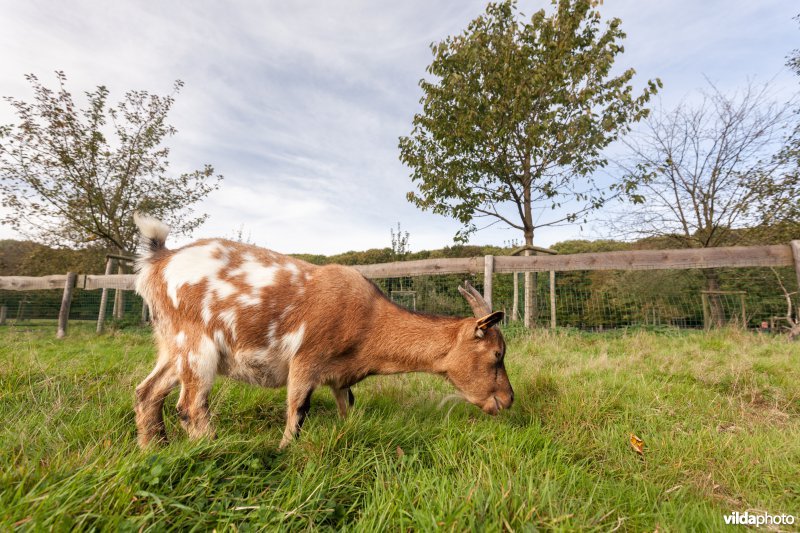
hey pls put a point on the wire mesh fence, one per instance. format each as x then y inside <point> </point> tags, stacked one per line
<point>589,300</point>
<point>39,305</point>
<point>597,300</point>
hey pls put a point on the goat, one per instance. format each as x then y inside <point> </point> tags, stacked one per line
<point>223,307</point>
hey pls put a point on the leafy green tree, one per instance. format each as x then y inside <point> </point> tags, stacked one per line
<point>74,176</point>
<point>515,121</point>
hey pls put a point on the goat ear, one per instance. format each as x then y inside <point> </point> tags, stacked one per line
<point>488,321</point>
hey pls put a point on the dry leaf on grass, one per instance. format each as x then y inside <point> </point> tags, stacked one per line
<point>637,444</point>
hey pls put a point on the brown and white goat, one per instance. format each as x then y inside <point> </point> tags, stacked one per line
<point>222,307</point>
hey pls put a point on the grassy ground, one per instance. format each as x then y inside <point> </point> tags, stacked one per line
<point>718,414</point>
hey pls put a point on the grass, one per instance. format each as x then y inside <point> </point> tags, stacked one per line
<point>718,413</point>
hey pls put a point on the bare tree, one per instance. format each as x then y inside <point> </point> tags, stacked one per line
<point>792,319</point>
<point>707,174</point>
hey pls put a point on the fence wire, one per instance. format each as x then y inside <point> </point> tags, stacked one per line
<point>26,306</point>
<point>597,300</point>
<point>588,300</point>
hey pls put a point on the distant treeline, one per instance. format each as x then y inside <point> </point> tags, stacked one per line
<point>26,258</point>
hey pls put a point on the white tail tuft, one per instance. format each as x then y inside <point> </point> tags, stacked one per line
<point>154,232</point>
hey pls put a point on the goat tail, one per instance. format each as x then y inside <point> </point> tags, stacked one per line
<point>153,234</point>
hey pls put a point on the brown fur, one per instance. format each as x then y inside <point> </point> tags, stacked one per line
<point>318,325</point>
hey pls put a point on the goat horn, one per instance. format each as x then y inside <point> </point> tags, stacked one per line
<point>479,306</point>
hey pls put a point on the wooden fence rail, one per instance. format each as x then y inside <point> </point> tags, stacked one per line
<point>779,255</point>
<point>732,256</point>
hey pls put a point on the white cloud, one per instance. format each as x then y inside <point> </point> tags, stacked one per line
<point>300,104</point>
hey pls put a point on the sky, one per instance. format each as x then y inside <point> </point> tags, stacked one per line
<point>300,104</point>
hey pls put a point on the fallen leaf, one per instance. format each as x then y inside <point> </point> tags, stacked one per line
<point>637,444</point>
<point>400,452</point>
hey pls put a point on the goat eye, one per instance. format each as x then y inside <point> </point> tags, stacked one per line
<point>498,355</point>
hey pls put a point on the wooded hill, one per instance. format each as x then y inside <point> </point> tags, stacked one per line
<point>26,258</point>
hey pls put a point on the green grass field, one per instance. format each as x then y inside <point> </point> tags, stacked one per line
<point>718,413</point>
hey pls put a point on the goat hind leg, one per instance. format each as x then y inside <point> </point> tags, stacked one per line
<point>192,407</point>
<point>197,378</point>
<point>150,396</point>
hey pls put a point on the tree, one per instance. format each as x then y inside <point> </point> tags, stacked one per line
<point>517,119</point>
<point>74,176</point>
<point>707,174</point>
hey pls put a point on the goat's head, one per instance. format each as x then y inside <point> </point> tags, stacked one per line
<point>476,363</point>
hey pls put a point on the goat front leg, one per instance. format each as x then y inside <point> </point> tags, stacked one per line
<point>298,403</point>
<point>344,399</point>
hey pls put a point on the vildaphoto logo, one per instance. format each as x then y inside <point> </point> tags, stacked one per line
<point>758,519</point>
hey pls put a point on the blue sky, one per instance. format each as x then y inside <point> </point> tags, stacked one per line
<point>300,104</point>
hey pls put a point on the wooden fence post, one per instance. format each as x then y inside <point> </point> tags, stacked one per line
<point>528,296</point>
<point>744,310</point>
<point>552,299</point>
<point>796,254</point>
<point>488,271</point>
<point>145,312</point>
<point>515,306</point>
<point>101,315</point>
<point>706,311</point>
<point>3,314</point>
<point>119,296</point>
<point>66,302</point>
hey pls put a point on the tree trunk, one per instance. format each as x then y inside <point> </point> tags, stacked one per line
<point>530,295</point>
<point>717,312</point>
<point>527,219</point>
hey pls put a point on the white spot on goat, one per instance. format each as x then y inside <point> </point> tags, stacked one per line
<point>204,361</point>
<point>256,274</point>
<point>206,312</point>
<point>247,299</point>
<point>180,339</point>
<point>221,343</point>
<point>273,328</point>
<point>222,288</point>
<point>295,272</point>
<point>143,283</point>
<point>287,311</point>
<point>191,265</point>
<point>228,318</point>
<point>291,342</point>
<point>218,289</point>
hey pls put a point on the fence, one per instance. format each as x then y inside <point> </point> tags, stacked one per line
<point>750,287</point>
